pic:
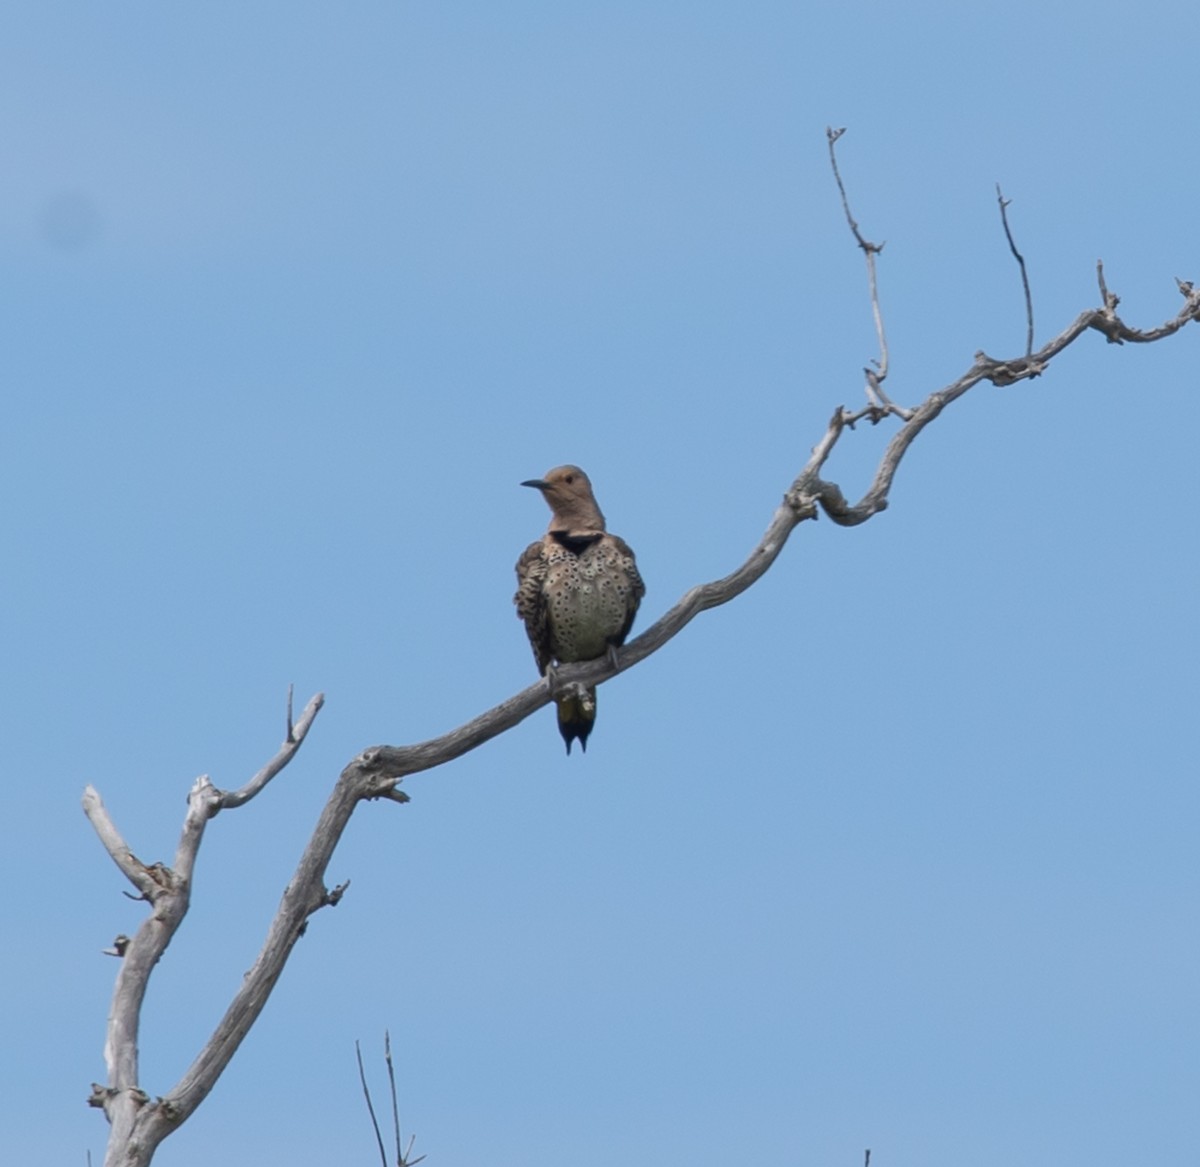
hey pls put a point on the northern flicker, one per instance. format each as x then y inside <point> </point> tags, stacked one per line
<point>578,590</point>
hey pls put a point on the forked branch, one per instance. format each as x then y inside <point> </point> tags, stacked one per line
<point>139,1124</point>
<point>878,403</point>
<point>376,770</point>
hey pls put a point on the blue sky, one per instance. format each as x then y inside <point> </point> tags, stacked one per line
<point>897,851</point>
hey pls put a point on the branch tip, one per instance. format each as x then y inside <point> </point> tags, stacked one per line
<point>874,379</point>
<point>1004,205</point>
<point>362,1077</point>
<point>297,731</point>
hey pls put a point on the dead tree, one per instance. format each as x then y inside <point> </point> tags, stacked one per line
<point>138,1122</point>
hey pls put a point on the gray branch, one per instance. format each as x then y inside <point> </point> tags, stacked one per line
<point>377,770</point>
<point>139,1124</point>
<point>295,736</point>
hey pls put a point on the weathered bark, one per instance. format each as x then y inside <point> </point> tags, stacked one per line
<point>139,1123</point>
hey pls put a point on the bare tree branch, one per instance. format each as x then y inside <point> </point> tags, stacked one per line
<point>1106,297</point>
<point>139,1124</point>
<point>391,1071</point>
<point>362,1077</point>
<point>879,405</point>
<point>403,1155</point>
<point>134,870</point>
<point>380,767</point>
<point>296,734</point>
<point>1004,205</point>
<point>133,1139</point>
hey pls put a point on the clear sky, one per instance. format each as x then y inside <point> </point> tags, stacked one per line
<point>898,851</point>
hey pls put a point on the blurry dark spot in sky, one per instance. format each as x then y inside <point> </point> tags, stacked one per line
<point>69,220</point>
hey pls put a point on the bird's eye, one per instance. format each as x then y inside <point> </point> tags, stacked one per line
<point>570,478</point>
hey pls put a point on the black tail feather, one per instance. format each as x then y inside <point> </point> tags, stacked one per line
<point>576,717</point>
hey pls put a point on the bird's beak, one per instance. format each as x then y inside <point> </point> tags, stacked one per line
<point>536,483</point>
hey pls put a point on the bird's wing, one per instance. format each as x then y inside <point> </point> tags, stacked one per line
<point>531,601</point>
<point>637,589</point>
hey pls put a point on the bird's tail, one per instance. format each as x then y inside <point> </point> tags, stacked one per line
<point>576,715</point>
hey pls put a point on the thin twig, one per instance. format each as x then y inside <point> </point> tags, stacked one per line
<point>295,738</point>
<point>391,1069</point>
<point>362,1077</point>
<point>403,1156</point>
<point>1004,205</point>
<point>876,376</point>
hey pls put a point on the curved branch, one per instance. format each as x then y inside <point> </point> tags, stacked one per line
<point>295,739</point>
<point>381,767</point>
<point>1012,246</point>
<point>1000,373</point>
<point>140,1124</point>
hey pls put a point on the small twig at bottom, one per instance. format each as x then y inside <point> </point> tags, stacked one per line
<point>402,1153</point>
<point>391,1069</point>
<point>362,1077</point>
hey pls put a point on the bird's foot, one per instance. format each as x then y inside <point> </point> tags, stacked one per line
<point>612,658</point>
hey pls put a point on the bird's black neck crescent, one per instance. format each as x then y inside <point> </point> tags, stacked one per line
<point>576,544</point>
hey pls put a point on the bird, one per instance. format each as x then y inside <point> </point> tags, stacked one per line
<point>578,591</point>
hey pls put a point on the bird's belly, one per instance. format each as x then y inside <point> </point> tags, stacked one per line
<point>587,611</point>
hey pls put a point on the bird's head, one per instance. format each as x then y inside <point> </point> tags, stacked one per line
<point>568,491</point>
